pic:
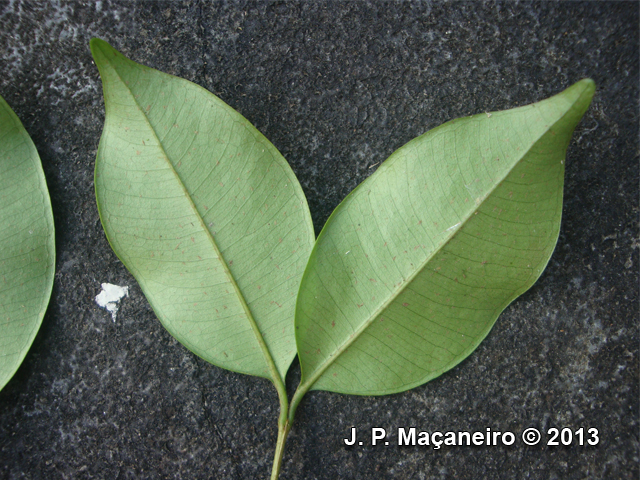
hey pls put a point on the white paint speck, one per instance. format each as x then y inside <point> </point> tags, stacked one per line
<point>110,296</point>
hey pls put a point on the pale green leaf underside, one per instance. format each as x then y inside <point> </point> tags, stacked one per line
<point>415,265</point>
<point>27,250</point>
<point>206,214</point>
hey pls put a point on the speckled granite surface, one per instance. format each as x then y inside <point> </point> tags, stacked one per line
<point>336,86</point>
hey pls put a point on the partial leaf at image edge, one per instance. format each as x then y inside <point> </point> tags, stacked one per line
<point>27,243</point>
<point>413,268</point>
<point>206,214</point>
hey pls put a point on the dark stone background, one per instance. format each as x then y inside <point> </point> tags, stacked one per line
<point>336,86</point>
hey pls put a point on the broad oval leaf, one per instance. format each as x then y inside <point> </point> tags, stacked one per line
<point>27,243</point>
<point>205,213</point>
<point>413,268</point>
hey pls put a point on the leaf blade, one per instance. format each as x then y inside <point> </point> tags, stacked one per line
<point>27,243</point>
<point>205,185</point>
<point>395,280</point>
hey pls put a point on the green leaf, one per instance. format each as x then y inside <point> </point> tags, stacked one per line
<point>413,268</point>
<point>205,213</point>
<point>27,243</point>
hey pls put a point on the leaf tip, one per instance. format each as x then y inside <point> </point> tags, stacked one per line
<point>99,49</point>
<point>587,87</point>
<point>581,93</point>
<point>95,43</point>
<point>587,84</point>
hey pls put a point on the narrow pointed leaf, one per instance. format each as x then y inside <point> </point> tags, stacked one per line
<point>27,251</point>
<point>413,268</point>
<point>205,213</point>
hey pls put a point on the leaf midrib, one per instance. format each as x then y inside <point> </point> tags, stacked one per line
<point>356,335</point>
<point>275,376</point>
